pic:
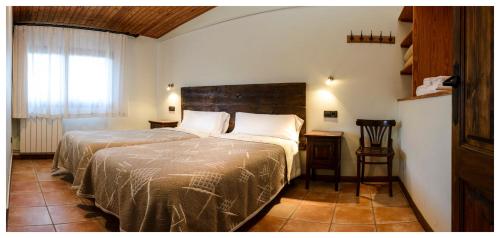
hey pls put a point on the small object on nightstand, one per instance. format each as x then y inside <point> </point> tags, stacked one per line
<point>162,123</point>
<point>323,152</point>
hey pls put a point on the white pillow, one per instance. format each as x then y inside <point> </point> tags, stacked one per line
<point>281,126</point>
<point>206,122</point>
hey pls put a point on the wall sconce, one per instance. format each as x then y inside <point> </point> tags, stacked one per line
<point>170,86</point>
<point>330,79</point>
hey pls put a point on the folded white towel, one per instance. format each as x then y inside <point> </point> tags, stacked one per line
<point>434,82</point>
<point>423,90</point>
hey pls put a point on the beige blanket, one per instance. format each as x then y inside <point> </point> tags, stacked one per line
<point>206,184</point>
<point>77,147</point>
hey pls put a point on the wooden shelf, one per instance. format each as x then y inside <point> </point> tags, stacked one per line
<point>406,14</point>
<point>438,94</point>
<point>407,41</point>
<point>407,70</point>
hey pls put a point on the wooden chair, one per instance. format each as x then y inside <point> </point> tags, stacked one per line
<point>376,130</point>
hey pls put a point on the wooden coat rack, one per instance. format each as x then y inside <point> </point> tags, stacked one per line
<point>390,39</point>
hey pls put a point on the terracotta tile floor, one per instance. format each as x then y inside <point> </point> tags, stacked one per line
<point>321,208</point>
<point>41,202</point>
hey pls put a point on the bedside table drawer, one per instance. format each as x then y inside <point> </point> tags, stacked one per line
<point>323,153</point>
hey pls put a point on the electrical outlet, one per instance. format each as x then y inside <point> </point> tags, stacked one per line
<point>330,114</point>
<point>171,109</point>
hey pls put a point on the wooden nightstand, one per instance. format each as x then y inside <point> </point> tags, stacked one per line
<point>160,123</point>
<point>323,152</point>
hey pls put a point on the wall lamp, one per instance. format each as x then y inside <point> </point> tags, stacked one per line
<point>330,79</point>
<point>170,86</point>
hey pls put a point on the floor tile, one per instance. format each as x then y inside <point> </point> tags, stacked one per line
<point>46,176</point>
<point>87,226</point>
<point>26,200</point>
<point>384,188</point>
<point>26,216</point>
<point>293,201</point>
<point>282,210</point>
<point>384,200</point>
<point>268,223</point>
<point>43,228</point>
<point>318,198</point>
<point>22,163</point>
<point>393,214</point>
<point>21,169</point>
<point>23,177</point>
<point>353,215</point>
<point>352,228</point>
<point>349,199</point>
<point>24,187</point>
<point>67,214</point>
<point>351,188</point>
<point>322,187</point>
<point>313,213</point>
<point>295,193</point>
<point>400,227</point>
<point>42,163</point>
<point>304,226</point>
<point>61,198</point>
<point>54,186</point>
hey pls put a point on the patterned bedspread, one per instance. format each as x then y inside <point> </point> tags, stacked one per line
<point>205,184</point>
<point>76,148</point>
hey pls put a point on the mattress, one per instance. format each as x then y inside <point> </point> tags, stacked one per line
<point>76,148</point>
<point>204,184</point>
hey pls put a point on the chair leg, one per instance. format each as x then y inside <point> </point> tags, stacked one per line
<point>359,178</point>
<point>362,169</point>
<point>389,173</point>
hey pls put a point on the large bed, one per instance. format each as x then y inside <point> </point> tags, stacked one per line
<point>76,148</point>
<point>203,184</point>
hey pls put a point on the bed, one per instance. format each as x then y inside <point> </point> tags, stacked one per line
<point>204,184</point>
<point>76,148</point>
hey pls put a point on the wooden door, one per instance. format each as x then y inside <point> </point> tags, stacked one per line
<point>472,163</point>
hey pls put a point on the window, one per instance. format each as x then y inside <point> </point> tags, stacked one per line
<point>65,72</point>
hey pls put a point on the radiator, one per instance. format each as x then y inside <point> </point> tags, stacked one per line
<point>40,135</point>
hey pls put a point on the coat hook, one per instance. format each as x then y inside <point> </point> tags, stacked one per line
<point>352,37</point>
<point>361,37</point>
<point>380,38</point>
<point>390,36</point>
<point>371,35</point>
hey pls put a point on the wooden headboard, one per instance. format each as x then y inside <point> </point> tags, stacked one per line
<point>274,98</point>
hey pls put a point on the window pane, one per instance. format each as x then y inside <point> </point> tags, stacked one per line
<point>89,80</point>
<point>45,79</point>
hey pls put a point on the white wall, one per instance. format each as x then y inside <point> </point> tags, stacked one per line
<point>8,81</point>
<point>425,167</point>
<point>140,78</point>
<point>303,44</point>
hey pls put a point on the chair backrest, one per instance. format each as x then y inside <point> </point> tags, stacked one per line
<point>376,130</point>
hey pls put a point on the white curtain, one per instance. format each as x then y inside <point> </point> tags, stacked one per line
<point>63,72</point>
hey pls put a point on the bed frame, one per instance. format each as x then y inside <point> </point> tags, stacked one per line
<point>273,98</point>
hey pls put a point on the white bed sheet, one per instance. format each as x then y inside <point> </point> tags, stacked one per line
<point>290,147</point>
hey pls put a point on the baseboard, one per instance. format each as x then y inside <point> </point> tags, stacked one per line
<point>48,155</point>
<point>414,207</point>
<point>354,179</point>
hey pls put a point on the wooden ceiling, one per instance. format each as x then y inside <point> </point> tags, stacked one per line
<point>145,21</point>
